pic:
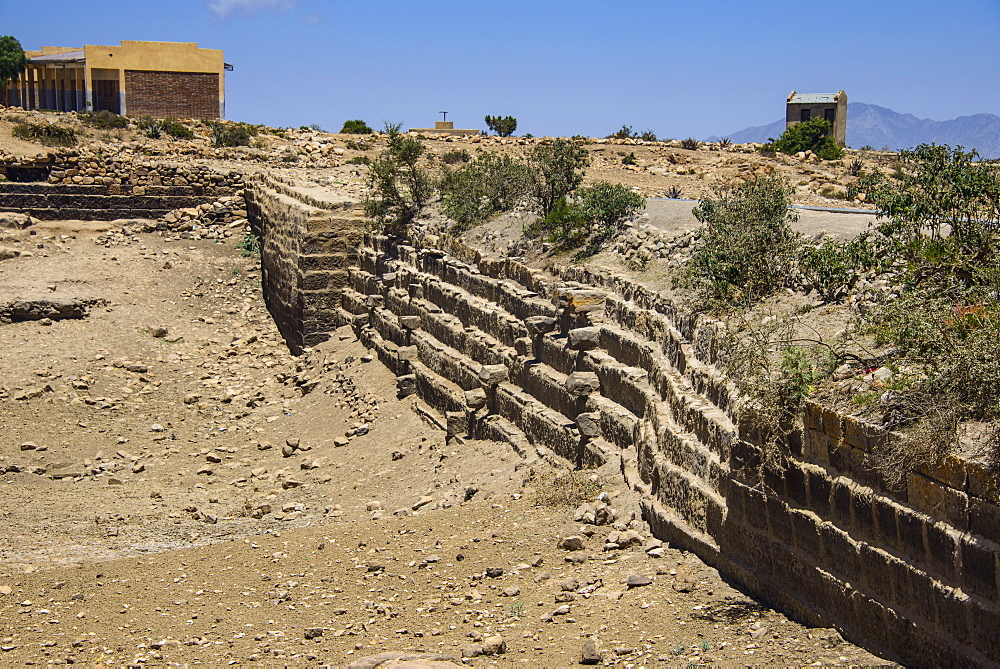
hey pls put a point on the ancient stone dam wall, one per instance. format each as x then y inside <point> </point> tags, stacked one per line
<point>593,368</point>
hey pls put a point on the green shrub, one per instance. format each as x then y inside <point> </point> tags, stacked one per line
<point>596,215</point>
<point>490,184</point>
<point>397,188</point>
<point>455,156</point>
<point>176,129</point>
<point>104,120</point>
<point>568,225</point>
<point>232,134</point>
<point>629,159</point>
<point>610,205</point>
<point>647,136</point>
<point>357,145</point>
<point>558,170</point>
<point>45,133</point>
<point>749,243</point>
<point>359,160</point>
<point>151,126</point>
<point>249,246</point>
<point>941,211</point>
<point>855,167</point>
<point>832,267</point>
<point>812,135</point>
<point>355,127</point>
<point>674,192</point>
<point>691,144</point>
<point>774,372</point>
<point>725,142</point>
<point>502,125</point>
<point>940,222</point>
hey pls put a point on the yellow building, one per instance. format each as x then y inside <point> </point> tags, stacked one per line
<point>160,79</point>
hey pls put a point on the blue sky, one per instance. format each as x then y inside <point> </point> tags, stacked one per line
<point>564,67</point>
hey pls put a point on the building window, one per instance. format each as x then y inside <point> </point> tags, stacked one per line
<point>829,114</point>
<point>805,114</point>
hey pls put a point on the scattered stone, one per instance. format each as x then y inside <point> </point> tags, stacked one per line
<point>313,632</point>
<point>571,543</point>
<point>494,645</point>
<point>584,339</point>
<point>589,654</point>
<point>638,580</point>
<point>475,398</point>
<point>472,650</point>
<point>684,580</point>
<point>422,502</point>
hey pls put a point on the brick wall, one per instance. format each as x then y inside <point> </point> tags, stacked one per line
<point>591,368</point>
<point>172,94</point>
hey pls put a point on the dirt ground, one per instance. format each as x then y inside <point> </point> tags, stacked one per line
<point>178,489</point>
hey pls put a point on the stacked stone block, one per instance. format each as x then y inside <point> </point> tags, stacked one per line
<point>589,367</point>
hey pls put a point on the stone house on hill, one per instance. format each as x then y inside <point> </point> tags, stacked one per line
<point>804,106</point>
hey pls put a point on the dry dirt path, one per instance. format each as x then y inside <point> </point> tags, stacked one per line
<point>674,216</point>
<point>176,488</point>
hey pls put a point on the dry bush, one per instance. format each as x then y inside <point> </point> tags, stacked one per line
<point>569,489</point>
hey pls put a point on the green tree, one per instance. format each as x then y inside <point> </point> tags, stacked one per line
<point>943,210</point>
<point>502,125</point>
<point>355,127</point>
<point>750,245</point>
<point>12,60</point>
<point>812,135</point>
<point>397,187</point>
<point>558,170</point>
<point>610,205</point>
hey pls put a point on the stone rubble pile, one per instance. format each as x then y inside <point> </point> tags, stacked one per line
<point>645,243</point>
<point>212,220</point>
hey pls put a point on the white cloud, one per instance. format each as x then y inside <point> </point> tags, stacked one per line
<point>223,8</point>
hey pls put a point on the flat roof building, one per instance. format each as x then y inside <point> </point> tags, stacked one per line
<point>160,79</point>
<point>833,107</point>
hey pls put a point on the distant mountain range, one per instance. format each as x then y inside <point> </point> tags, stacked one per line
<point>878,127</point>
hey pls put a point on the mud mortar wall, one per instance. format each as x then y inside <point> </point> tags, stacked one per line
<point>593,368</point>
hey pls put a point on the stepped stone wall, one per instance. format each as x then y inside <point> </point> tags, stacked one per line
<point>307,244</point>
<point>100,203</point>
<point>591,368</point>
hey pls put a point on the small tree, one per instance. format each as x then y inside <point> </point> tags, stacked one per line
<point>502,125</point>
<point>558,171</point>
<point>610,205</point>
<point>356,127</point>
<point>12,60</point>
<point>397,187</point>
<point>812,135</point>
<point>624,132</point>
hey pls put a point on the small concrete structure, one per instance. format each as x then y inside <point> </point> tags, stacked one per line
<point>804,106</point>
<point>445,128</point>
<point>161,79</point>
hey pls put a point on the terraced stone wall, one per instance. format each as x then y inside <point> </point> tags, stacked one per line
<point>307,244</point>
<point>592,368</point>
